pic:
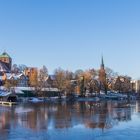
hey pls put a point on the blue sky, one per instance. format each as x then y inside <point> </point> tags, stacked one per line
<point>72,34</point>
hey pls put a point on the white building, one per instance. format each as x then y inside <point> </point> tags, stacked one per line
<point>136,85</point>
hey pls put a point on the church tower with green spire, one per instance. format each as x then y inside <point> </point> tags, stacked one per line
<point>6,59</point>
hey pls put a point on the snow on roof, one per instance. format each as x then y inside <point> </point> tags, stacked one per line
<point>51,89</point>
<point>19,75</point>
<point>24,88</point>
<point>31,89</point>
<point>15,76</point>
<point>19,91</point>
<point>4,93</point>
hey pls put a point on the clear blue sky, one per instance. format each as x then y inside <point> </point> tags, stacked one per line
<point>72,34</point>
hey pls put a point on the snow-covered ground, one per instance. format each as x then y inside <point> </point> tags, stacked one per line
<point>35,100</point>
<point>4,93</point>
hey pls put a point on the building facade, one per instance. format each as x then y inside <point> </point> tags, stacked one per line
<point>32,74</point>
<point>135,85</point>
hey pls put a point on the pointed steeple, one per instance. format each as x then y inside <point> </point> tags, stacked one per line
<point>102,63</point>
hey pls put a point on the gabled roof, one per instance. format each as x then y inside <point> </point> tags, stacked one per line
<point>14,76</point>
<point>52,77</point>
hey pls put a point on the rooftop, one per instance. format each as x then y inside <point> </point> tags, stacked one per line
<point>5,54</point>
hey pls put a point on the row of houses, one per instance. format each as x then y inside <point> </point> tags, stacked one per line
<point>24,77</point>
<point>21,78</point>
<point>30,74</point>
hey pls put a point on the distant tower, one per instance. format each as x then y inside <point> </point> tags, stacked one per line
<point>102,76</point>
<point>6,59</point>
<point>102,63</point>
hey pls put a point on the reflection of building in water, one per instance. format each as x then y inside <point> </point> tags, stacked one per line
<point>34,119</point>
<point>5,120</point>
<point>137,106</point>
<point>63,117</point>
<point>103,116</point>
<point>107,115</point>
<point>123,112</point>
<point>38,117</point>
<point>27,120</point>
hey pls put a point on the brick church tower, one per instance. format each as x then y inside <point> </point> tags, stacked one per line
<point>102,77</point>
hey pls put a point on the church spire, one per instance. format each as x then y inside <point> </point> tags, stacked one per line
<point>102,63</point>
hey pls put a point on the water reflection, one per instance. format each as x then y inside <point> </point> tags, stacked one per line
<point>64,116</point>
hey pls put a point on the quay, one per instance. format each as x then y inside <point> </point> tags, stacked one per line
<point>7,103</point>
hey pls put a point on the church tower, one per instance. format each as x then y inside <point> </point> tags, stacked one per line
<point>102,77</point>
<point>6,59</point>
<point>102,63</point>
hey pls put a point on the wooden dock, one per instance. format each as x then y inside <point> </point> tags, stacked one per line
<point>8,103</point>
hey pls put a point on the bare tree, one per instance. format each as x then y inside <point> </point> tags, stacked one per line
<point>78,73</point>
<point>94,86</point>
<point>60,80</point>
<point>110,73</point>
<point>10,84</point>
<point>22,67</point>
<point>33,79</point>
<point>18,68</point>
<point>42,78</point>
<point>110,76</point>
<point>68,81</point>
<point>15,69</point>
<point>85,81</point>
<point>122,84</point>
<point>63,81</point>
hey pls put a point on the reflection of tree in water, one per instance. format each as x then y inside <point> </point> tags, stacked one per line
<point>108,115</point>
<point>103,115</point>
<point>123,111</point>
<point>63,116</point>
<point>138,106</point>
<point>4,124</point>
<point>93,115</point>
<point>8,120</point>
<point>35,119</point>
